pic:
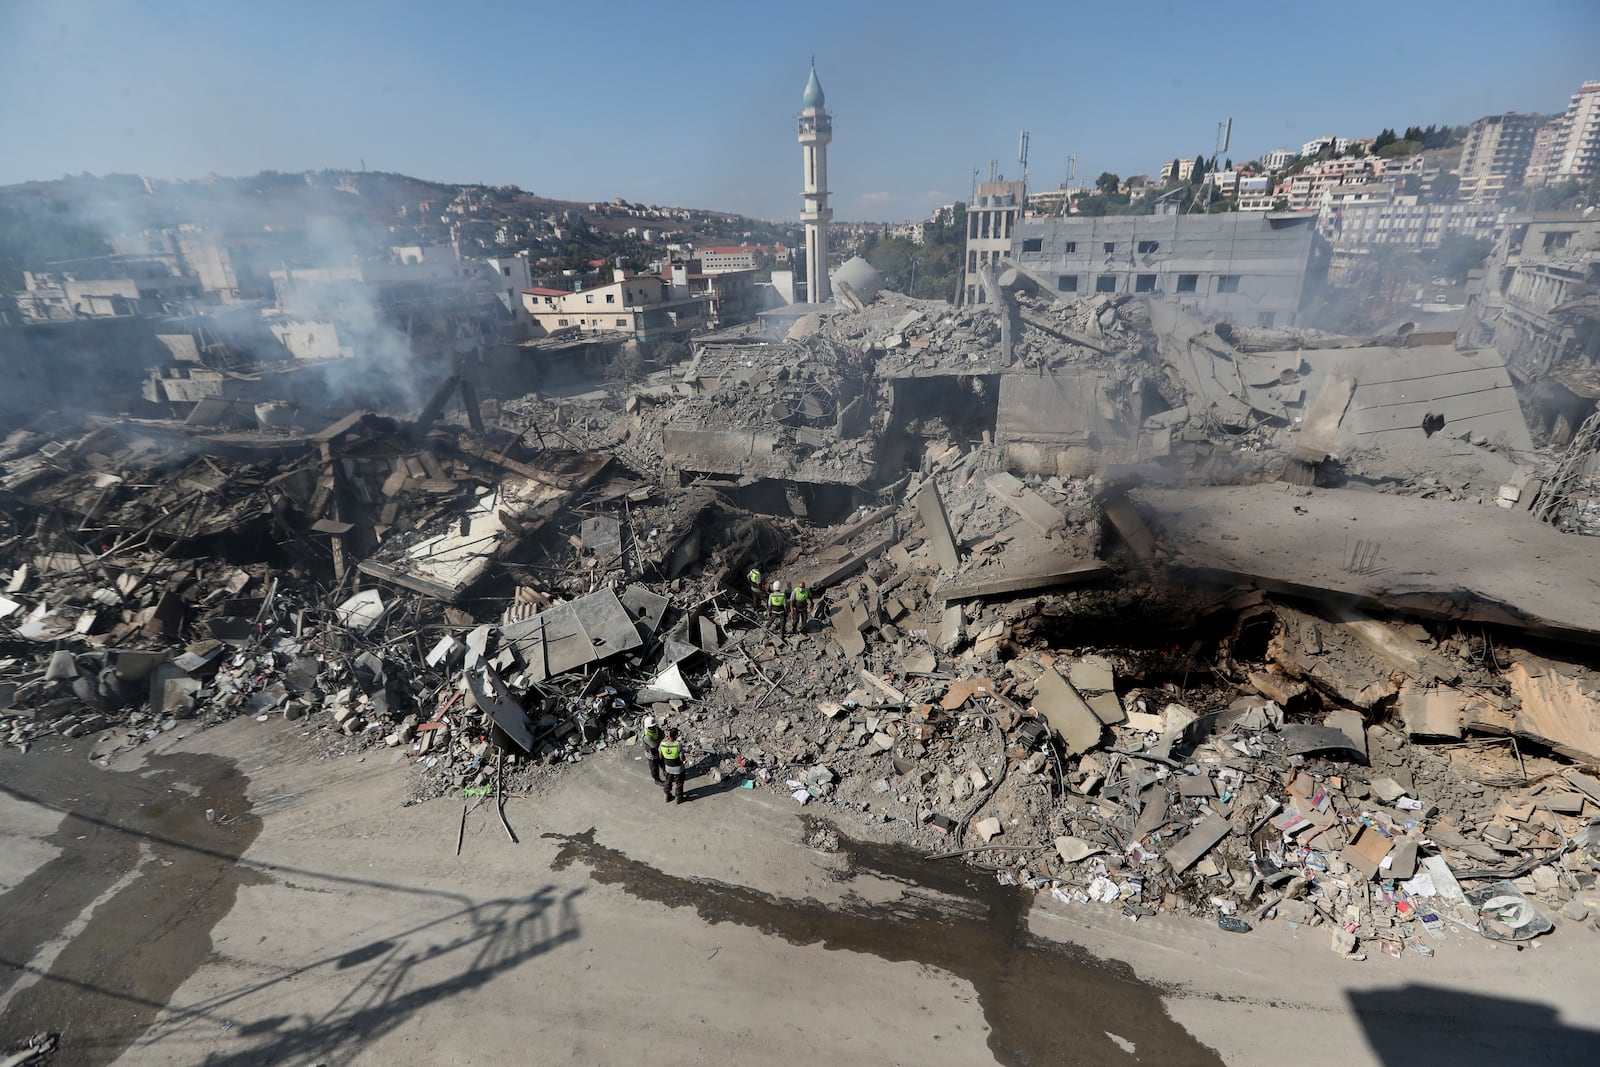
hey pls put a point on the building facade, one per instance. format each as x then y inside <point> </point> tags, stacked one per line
<point>991,223</point>
<point>1257,268</point>
<point>646,306</point>
<point>1495,155</point>
<point>1277,159</point>
<point>1576,155</point>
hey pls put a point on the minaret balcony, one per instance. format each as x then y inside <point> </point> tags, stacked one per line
<point>816,124</point>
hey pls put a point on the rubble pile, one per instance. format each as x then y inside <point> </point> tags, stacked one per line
<point>1008,658</point>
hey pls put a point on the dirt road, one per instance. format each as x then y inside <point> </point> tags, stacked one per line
<point>620,929</point>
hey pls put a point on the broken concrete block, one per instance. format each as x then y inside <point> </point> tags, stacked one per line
<point>934,518</point>
<point>1075,849</point>
<point>978,779</point>
<point>1067,713</point>
<point>1186,852</point>
<point>1431,711</point>
<point>1352,725</point>
<point>988,829</point>
<point>1107,707</point>
<point>1387,790</point>
<point>952,629</point>
<point>1092,674</point>
<point>1275,687</point>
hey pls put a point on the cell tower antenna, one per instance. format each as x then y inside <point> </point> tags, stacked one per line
<point>1022,158</point>
<point>1202,204</point>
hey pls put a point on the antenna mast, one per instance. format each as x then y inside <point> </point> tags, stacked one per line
<point>1224,138</point>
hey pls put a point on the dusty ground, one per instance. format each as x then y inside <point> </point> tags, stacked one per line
<point>351,934</point>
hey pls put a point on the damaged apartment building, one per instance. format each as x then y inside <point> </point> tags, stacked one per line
<point>1538,303</point>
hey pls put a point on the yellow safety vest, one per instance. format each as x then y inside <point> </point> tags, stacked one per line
<point>670,750</point>
<point>801,594</point>
<point>754,576</point>
<point>775,599</point>
<point>653,736</point>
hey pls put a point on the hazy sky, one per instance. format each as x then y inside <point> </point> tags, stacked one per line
<point>694,103</point>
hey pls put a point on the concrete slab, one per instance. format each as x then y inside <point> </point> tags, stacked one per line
<point>1040,517</point>
<point>1067,713</point>
<point>1474,563</point>
<point>940,540</point>
<point>982,583</point>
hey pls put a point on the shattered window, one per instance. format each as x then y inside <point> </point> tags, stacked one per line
<point>1109,247</point>
<point>1033,244</point>
<point>1106,283</point>
<point>1071,248</point>
<point>1144,283</point>
<point>1149,246</point>
<point>622,322</point>
<point>1227,283</point>
<point>1067,283</point>
<point>1188,283</point>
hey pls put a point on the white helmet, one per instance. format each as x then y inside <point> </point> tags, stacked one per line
<point>776,585</point>
<point>649,721</point>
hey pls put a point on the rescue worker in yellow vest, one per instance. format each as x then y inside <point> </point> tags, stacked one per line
<point>651,736</point>
<point>799,608</point>
<point>757,586</point>
<point>777,605</point>
<point>672,763</point>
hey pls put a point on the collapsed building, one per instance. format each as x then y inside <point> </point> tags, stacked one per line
<point>1135,609</point>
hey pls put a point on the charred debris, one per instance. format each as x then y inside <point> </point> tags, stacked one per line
<point>1139,611</point>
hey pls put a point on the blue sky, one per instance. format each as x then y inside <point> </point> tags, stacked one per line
<point>694,103</point>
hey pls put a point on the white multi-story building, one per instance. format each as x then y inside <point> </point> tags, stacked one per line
<point>991,218</point>
<point>1576,153</point>
<point>1277,160</point>
<point>645,306</point>
<point>1317,144</point>
<point>1495,155</point>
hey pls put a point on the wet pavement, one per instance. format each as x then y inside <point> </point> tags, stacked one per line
<point>137,845</point>
<point>1045,1003</point>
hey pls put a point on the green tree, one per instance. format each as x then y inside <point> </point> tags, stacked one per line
<point>1107,182</point>
<point>1396,149</point>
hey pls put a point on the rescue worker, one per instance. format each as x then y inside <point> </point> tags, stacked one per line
<point>757,586</point>
<point>799,608</point>
<point>672,762</point>
<point>777,605</point>
<point>651,737</point>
